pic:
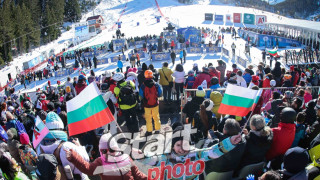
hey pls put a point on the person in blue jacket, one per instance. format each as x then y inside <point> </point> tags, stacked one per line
<point>120,64</point>
<point>214,86</point>
<point>181,55</point>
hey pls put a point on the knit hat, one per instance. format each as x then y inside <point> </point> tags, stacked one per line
<point>53,121</point>
<point>106,142</point>
<point>295,160</point>
<point>81,77</point>
<point>288,115</point>
<point>208,104</point>
<point>43,96</point>
<point>24,138</point>
<point>200,92</point>
<point>233,76</point>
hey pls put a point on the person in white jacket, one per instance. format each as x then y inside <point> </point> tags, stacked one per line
<point>240,80</point>
<point>131,76</point>
<point>56,137</point>
<point>179,78</point>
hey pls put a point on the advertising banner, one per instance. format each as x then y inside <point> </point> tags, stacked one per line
<point>242,62</point>
<point>100,52</point>
<point>118,44</point>
<point>61,73</point>
<point>116,58</point>
<point>102,61</point>
<point>218,17</point>
<point>208,17</point>
<point>139,44</point>
<point>213,50</point>
<point>195,50</point>
<point>261,19</point>
<point>228,17</point>
<point>248,18</point>
<point>88,54</point>
<point>225,52</point>
<point>160,56</point>
<point>192,34</point>
<point>170,35</point>
<point>236,17</point>
<point>152,41</point>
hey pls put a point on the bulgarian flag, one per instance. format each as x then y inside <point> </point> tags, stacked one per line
<point>238,101</point>
<point>273,52</point>
<point>39,132</point>
<point>87,111</point>
<point>82,72</point>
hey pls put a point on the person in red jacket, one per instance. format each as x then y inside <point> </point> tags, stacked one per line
<point>172,44</point>
<point>204,75</point>
<point>266,81</point>
<point>111,165</point>
<point>81,84</point>
<point>283,135</point>
<point>214,73</point>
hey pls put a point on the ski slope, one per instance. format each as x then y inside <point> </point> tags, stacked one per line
<point>144,12</point>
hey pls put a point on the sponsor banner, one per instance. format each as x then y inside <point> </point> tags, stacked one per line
<point>195,50</point>
<point>62,73</point>
<point>225,52</point>
<point>102,61</point>
<point>218,18</point>
<point>118,44</point>
<point>192,34</point>
<point>236,17</point>
<point>242,62</point>
<point>116,58</point>
<point>139,44</point>
<point>228,17</point>
<point>160,56</point>
<point>100,52</point>
<point>88,54</point>
<point>141,54</point>
<point>213,49</point>
<point>248,18</point>
<point>131,44</point>
<point>170,36</point>
<point>261,19</point>
<point>153,41</point>
<point>208,17</point>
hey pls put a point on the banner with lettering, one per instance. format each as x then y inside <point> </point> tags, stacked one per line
<point>118,44</point>
<point>160,56</point>
<point>195,50</point>
<point>102,61</point>
<point>116,58</point>
<point>242,62</point>
<point>213,50</point>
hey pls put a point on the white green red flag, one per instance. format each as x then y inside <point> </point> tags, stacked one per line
<point>238,101</point>
<point>87,111</point>
<point>39,132</point>
<point>273,52</point>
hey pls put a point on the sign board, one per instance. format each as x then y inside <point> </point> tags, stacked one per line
<point>81,29</point>
<point>160,56</point>
<point>170,35</point>
<point>118,44</point>
<point>225,52</point>
<point>195,50</point>
<point>102,61</point>
<point>242,62</point>
<point>248,18</point>
<point>236,17</point>
<point>228,17</point>
<point>139,44</point>
<point>261,19</point>
<point>218,17</point>
<point>213,50</point>
<point>116,58</point>
<point>208,17</point>
<point>152,41</point>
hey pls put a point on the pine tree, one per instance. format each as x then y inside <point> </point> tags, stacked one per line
<point>72,11</point>
<point>6,30</point>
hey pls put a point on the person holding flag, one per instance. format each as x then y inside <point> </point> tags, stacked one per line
<point>81,84</point>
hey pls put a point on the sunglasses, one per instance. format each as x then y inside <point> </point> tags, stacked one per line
<point>105,151</point>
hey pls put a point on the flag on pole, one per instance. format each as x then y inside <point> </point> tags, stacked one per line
<point>39,132</point>
<point>87,111</point>
<point>273,52</point>
<point>238,100</point>
<point>256,100</point>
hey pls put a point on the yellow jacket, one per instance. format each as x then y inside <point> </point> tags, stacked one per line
<point>117,91</point>
<point>167,72</point>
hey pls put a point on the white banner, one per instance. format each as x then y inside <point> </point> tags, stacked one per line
<point>260,20</point>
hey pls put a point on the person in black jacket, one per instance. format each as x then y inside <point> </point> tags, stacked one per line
<point>258,143</point>
<point>95,62</point>
<point>173,56</point>
<point>155,72</point>
<point>231,160</point>
<point>193,106</point>
<point>276,72</point>
<point>203,121</point>
<point>141,77</point>
<point>311,114</point>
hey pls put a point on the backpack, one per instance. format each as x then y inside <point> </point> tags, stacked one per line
<point>127,95</point>
<point>151,95</point>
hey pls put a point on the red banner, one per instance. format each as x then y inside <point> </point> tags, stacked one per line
<point>236,17</point>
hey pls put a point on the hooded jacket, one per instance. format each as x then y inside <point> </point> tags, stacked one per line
<point>80,86</point>
<point>200,78</point>
<point>283,137</point>
<point>192,106</point>
<point>216,98</point>
<point>276,71</point>
<point>311,114</point>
